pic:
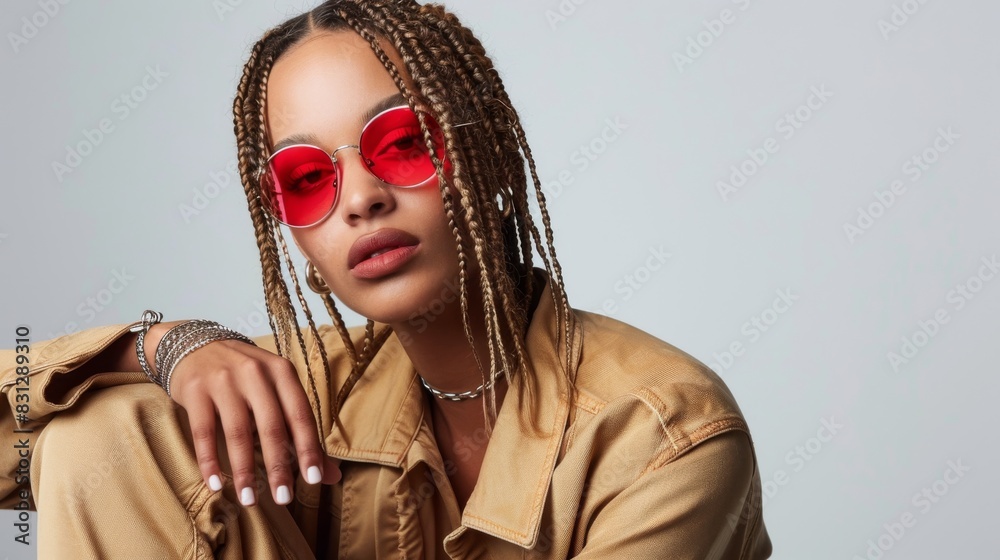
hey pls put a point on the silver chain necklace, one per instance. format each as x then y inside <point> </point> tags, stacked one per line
<point>463,395</point>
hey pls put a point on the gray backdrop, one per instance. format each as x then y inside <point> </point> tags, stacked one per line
<point>799,194</point>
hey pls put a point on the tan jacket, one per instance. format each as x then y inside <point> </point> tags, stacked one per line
<point>654,460</point>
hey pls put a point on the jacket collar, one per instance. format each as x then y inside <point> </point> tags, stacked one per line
<point>513,483</point>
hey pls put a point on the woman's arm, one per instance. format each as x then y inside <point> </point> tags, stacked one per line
<point>702,505</point>
<point>251,389</point>
<point>120,355</point>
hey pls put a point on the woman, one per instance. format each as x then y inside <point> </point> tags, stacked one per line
<point>476,414</point>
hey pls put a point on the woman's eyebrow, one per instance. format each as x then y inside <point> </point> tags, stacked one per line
<point>393,100</point>
<point>296,139</point>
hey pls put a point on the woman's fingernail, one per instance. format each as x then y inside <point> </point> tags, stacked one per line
<point>246,496</point>
<point>215,483</point>
<point>284,496</point>
<point>313,476</point>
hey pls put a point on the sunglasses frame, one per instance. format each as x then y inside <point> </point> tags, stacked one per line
<point>336,164</point>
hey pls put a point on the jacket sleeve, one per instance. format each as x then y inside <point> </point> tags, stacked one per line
<point>688,508</point>
<point>42,383</point>
<point>50,381</point>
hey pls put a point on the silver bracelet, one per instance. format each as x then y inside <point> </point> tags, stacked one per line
<point>194,335</point>
<point>147,320</point>
<point>175,338</point>
<point>181,340</point>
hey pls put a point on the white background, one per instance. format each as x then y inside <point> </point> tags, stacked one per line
<point>64,237</point>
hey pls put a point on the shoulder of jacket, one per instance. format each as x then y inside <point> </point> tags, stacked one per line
<point>623,368</point>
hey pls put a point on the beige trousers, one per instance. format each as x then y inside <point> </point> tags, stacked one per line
<point>115,476</point>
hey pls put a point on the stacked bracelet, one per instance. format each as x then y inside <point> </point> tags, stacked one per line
<point>185,338</point>
<point>148,319</point>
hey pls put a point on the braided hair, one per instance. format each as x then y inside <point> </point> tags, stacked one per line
<point>456,79</point>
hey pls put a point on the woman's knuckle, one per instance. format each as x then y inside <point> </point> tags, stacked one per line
<point>301,415</point>
<point>281,362</point>
<point>244,473</point>
<point>203,433</point>
<point>309,457</point>
<point>284,369</point>
<point>278,469</point>
<point>206,463</point>
<point>274,431</point>
<point>240,434</point>
<point>248,365</point>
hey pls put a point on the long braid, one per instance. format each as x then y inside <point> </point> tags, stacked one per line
<point>312,329</point>
<point>444,123</point>
<point>472,52</point>
<point>436,64</point>
<point>338,322</point>
<point>246,163</point>
<point>465,45</point>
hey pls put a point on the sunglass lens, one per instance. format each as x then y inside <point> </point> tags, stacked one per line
<point>302,185</point>
<point>394,146</point>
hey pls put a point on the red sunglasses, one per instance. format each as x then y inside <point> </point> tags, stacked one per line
<point>301,183</point>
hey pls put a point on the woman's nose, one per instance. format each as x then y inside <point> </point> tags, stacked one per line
<point>362,195</point>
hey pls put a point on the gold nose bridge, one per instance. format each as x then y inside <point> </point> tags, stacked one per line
<point>336,162</point>
<point>333,154</point>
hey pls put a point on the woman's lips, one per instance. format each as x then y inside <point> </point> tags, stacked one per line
<point>385,263</point>
<point>394,248</point>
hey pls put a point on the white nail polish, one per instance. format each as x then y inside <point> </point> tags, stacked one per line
<point>313,475</point>
<point>215,483</point>
<point>284,496</point>
<point>246,496</point>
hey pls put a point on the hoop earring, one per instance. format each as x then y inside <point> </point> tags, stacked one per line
<point>315,281</point>
<point>506,205</point>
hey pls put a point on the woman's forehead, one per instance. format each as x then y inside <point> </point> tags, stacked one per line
<point>327,81</point>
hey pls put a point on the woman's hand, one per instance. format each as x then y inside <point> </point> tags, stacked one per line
<point>240,381</point>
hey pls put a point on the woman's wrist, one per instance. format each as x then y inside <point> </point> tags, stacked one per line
<point>173,341</point>
<point>153,337</point>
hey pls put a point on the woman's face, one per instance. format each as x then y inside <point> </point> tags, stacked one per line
<point>323,87</point>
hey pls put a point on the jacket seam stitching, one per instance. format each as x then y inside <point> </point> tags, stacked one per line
<point>706,431</point>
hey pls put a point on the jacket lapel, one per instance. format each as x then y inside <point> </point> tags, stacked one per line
<point>510,494</point>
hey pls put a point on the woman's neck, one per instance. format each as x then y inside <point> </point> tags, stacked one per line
<point>437,346</point>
